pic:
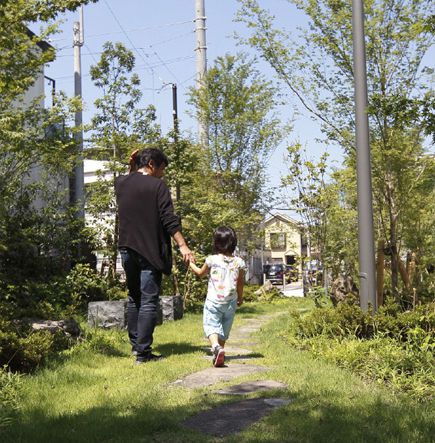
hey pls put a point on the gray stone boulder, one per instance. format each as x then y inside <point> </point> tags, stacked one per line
<point>113,314</point>
<point>108,314</point>
<point>69,327</point>
<point>171,307</point>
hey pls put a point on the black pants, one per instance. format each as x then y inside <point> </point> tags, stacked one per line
<point>143,282</point>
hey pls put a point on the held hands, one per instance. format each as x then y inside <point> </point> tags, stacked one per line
<point>239,301</point>
<point>187,254</point>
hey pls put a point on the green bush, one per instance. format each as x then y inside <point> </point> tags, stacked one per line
<point>343,321</point>
<point>391,346</point>
<point>85,285</point>
<point>22,349</point>
<point>99,340</point>
<point>10,385</point>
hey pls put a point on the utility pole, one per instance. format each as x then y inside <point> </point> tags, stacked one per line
<point>175,109</point>
<point>201,60</point>
<point>364,183</point>
<point>77,181</point>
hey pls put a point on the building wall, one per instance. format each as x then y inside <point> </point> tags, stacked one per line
<point>282,251</point>
<point>59,183</point>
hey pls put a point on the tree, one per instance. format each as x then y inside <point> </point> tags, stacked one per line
<point>236,103</point>
<point>119,126</point>
<point>324,202</point>
<point>37,230</point>
<point>319,72</point>
<point>27,137</point>
<point>21,61</point>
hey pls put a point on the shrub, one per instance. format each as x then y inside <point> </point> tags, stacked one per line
<point>85,285</point>
<point>391,346</point>
<point>22,349</point>
<point>10,385</point>
<point>99,340</point>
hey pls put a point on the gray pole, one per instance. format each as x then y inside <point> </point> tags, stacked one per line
<point>175,108</point>
<point>364,185</point>
<point>201,60</point>
<point>77,185</point>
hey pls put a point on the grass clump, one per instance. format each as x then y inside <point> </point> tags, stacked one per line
<point>391,346</point>
<point>10,385</point>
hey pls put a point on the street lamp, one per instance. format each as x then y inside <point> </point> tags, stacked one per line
<point>364,186</point>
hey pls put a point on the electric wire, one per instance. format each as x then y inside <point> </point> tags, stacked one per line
<point>147,28</point>
<point>126,35</point>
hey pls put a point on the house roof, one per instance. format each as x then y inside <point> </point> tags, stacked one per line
<point>282,217</point>
<point>41,43</point>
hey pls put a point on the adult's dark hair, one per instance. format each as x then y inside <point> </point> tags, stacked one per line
<point>144,157</point>
<point>224,240</point>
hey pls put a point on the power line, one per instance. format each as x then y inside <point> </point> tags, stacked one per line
<point>166,66</point>
<point>147,28</point>
<point>176,37</point>
<point>91,53</point>
<point>125,33</point>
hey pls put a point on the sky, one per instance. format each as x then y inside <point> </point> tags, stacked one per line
<point>161,35</point>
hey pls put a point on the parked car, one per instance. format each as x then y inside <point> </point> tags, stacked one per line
<point>275,272</point>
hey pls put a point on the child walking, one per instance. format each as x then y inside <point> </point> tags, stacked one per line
<point>225,290</point>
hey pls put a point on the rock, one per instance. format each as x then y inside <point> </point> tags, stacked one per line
<point>342,288</point>
<point>267,286</point>
<point>171,307</point>
<point>108,314</point>
<point>68,327</point>
<point>113,314</point>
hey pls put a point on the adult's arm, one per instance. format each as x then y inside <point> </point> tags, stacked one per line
<point>187,254</point>
<point>171,221</point>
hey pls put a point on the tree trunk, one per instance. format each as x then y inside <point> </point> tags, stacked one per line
<point>380,268</point>
<point>404,274</point>
<point>394,252</point>
<point>114,258</point>
<point>391,207</point>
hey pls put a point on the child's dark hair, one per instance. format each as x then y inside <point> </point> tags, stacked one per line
<point>224,240</point>
<point>144,157</point>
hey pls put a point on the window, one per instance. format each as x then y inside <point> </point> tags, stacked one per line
<point>278,241</point>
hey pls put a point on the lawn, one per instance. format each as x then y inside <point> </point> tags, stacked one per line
<point>97,394</point>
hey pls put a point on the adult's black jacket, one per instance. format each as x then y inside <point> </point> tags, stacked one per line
<point>146,218</point>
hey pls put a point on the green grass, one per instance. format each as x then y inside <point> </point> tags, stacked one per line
<point>94,397</point>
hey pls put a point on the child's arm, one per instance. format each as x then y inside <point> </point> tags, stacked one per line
<point>200,272</point>
<point>240,285</point>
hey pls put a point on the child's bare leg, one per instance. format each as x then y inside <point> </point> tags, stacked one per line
<point>221,342</point>
<point>214,340</point>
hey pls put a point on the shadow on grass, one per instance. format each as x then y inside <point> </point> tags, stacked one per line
<point>246,309</point>
<point>167,349</point>
<point>306,419</point>
<point>244,357</point>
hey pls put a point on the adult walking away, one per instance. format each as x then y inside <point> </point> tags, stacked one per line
<point>146,223</point>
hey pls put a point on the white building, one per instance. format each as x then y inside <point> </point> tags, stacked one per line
<point>35,95</point>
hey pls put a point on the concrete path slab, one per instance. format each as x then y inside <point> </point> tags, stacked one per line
<point>251,387</point>
<point>231,418</point>
<point>292,290</point>
<point>233,351</point>
<point>212,375</point>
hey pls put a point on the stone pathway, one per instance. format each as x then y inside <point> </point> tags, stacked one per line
<point>231,418</point>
